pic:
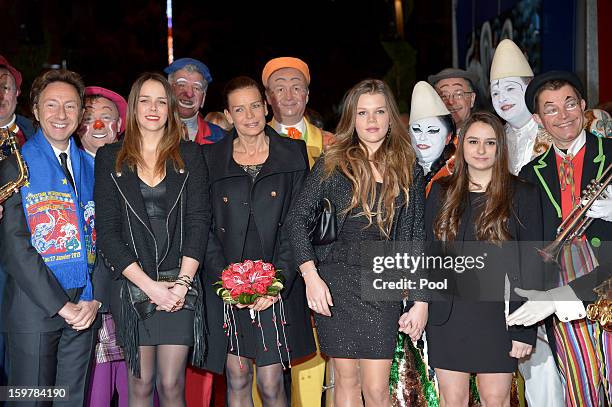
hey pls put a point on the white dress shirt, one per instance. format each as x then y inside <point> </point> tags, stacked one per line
<point>57,153</point>
<point>569,307</point>
<point>520,145</point>
<point>282,129</point>
<point>575,147</point>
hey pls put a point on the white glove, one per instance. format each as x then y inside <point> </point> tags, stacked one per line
<point>540,305</point>
<point>602,208</point>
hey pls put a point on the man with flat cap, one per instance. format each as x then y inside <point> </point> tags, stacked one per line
<point>286,80</point>
<point>190,79</point>
<point>456,87</point>
<point>561,173</point>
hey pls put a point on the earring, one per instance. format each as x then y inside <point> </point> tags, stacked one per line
<point>388,131</point>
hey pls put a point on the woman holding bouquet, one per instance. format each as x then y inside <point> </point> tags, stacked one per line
<point>255,175</point>
<point>370,175</point>
<point>152,222</point>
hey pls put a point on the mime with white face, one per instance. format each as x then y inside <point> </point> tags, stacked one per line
<point>431,130</point>
<point>429,137</point>
<point>510,75</point>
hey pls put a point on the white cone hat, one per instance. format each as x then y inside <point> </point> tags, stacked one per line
<point>509,61</point>
<point>426,102</point>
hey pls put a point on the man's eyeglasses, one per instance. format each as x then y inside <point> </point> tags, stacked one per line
<point>554,110</point>
<point>456,95</point>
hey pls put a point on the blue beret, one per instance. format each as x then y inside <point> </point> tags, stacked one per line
<point>181,63</point>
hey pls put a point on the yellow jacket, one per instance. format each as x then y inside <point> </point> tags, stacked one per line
<point>316,139</point>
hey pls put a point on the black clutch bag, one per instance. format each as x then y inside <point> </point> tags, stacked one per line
<point>142,303</point>
<point>323,227</point>
<point>192,294</point>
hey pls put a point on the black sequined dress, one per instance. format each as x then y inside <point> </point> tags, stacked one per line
<point>357,329</point>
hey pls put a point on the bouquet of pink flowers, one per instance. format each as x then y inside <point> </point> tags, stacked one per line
<point>243,283</point>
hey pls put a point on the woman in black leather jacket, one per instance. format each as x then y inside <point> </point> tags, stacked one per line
<point>152,222</point>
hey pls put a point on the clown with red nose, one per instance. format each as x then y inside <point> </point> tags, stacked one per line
<point>103,120</point>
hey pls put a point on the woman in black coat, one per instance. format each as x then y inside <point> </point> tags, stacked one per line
<point>255,175</point>
<point>152,222</point>
<point>482,202</point>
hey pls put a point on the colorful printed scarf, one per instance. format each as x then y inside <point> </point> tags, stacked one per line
<point>61,223</point>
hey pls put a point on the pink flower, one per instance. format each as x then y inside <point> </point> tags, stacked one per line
<point>260,288</point>
<point>249,277</point>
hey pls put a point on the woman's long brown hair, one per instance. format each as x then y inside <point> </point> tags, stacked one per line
<point>492,222</point>
<point>394,159</point>
<point>168,147</point>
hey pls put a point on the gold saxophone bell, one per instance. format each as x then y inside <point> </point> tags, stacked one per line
<point>7,137</point>
<point>601,310</point>
<point>608,325</point>
<point>593,311</point>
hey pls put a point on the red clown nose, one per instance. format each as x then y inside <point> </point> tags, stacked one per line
<point>98,124</point>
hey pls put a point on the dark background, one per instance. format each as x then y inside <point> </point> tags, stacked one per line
<point>111,42</point>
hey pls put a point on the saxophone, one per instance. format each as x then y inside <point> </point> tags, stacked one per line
<point>7,137</point>
<point>601,310</point>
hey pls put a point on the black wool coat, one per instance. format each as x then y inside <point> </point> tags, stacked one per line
<point>268,200</point>
<point>524,267</point>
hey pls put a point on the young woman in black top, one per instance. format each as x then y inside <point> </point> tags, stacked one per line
<point>483,202</point>
<point>152,221</point>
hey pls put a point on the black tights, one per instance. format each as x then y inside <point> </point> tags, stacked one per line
<point>240,382</point>
<point>162,367</point>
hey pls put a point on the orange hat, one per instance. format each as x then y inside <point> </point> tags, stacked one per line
<point>275,64</point>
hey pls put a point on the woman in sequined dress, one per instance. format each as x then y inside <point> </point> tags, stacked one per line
<point>370,176</point>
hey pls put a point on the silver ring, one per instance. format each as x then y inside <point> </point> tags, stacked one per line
<point>314,306</point>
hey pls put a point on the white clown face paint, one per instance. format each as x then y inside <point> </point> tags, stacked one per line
<point>508,97</point>
<point>190,91</point>
<point>428,137</point>
<point>100,124</point>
